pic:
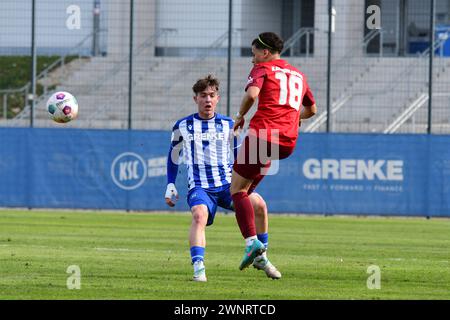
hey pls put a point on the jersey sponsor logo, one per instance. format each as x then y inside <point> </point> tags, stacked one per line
<point>353,169</point>
<point>249,80</point>
<point>206,136</point>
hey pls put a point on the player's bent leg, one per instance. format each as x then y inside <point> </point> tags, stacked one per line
<point>197,241</point>
<point>261,217</point>
<point>199,219</point>
<point>262,262</point>
<point>245,218</point>
<point>244,210</point>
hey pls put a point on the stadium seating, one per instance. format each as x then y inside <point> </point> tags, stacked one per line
<point>379,89</point>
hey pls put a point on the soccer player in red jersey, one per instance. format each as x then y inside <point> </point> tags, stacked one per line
<point>281,90</point>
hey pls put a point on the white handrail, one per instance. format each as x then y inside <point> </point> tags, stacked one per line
<point>406,114</point>
<point>321,119</point>
<point>289,43</point>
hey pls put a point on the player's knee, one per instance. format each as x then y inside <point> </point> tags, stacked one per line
<point>199,215</point>
<point>237,189</point>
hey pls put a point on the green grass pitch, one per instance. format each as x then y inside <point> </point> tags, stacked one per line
<point>146,256</point>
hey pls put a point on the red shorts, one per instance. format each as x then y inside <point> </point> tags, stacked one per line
<point>254,158</point>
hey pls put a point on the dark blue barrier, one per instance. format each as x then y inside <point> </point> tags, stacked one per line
<point>70,168</point>
<point>328,173</point>
<point>364,174</point>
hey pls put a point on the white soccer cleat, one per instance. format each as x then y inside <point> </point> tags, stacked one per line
<point>199,272</point>
<point>262,263</point>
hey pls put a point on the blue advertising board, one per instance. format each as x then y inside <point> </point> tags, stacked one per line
<point>361,174</point>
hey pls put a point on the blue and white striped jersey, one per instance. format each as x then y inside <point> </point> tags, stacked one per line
<point>207,148</point>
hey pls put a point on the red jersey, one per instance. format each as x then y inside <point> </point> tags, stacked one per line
<point>283,92</point>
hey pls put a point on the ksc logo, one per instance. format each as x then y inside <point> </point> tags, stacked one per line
<point>128,171</point>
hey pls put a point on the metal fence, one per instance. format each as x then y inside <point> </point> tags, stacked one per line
<point>132,63</point>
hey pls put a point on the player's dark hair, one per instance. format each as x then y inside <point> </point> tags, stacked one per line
<point>202,84</point>
<point>270,41</point>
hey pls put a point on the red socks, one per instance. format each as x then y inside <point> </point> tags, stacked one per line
<point>245,215</point>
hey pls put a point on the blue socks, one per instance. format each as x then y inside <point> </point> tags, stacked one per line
<point>197,253</point>
<point>264,238</point>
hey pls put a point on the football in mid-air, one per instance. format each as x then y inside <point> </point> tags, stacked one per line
<point>62,107</point>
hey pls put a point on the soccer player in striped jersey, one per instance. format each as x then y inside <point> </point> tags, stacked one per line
<point>281,90</point>
<point>208,146</point>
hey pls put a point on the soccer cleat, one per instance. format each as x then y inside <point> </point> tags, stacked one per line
<point>199,273</point>
<point>251,252</point>
<point>263,263</point>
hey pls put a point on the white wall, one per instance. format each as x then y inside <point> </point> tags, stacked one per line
<point>118,25</point>
<point>51,30</point>
<point>259,16</point>
<point>321,23</point>
<point>349,27</point>
<point>350,15</point>
<point>198,22</point>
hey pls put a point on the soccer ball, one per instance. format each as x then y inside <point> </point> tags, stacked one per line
<point>62,107</point>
